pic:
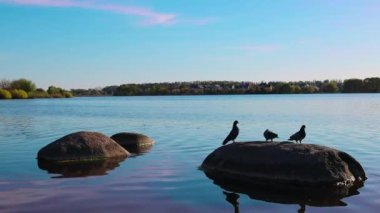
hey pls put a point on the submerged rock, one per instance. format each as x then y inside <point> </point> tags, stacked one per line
<point>82,146</point>
<point>133,142</point>
<point>283,163</point>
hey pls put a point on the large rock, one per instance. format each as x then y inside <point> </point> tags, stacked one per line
<point>283,163</point>
<point>133,142</point>
<point>81,146</point>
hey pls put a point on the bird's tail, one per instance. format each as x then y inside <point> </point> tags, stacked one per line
<point>224,142</point>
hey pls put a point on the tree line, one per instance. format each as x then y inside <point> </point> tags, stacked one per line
<point>24,88</point>
<point>368,85</point>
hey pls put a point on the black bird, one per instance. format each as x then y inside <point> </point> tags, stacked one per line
<point>233,134</point>
<point>299,136</point>
<point>269,135</point>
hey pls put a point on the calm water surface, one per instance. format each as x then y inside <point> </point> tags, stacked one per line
<point>186,129</point>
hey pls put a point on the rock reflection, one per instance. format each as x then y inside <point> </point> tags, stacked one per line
<point>318,197</point>
<point>79,169</point>
<point>139,150</point>
<point>302,208</point>
<point>232,198</point>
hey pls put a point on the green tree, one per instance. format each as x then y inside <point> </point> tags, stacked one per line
<point>308,89</point>
<point>371,84</point>
<point>54,90</point>
<point>110,90</point>
<point>353,86</point>
<point>68,94</point>
<point>285,88</point>
<point>39,93</point>
<point>23,84</point>
<point>296,89</point>
<point>330,87</point>
<point>57,92</point>
<point>5,94</point>
<point>19,94</point>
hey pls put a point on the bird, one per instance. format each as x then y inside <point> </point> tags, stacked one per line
<point>233,134</point>
<point>269,135</point>
<point>298,136</point>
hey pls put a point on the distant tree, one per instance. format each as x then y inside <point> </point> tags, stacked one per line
<point>5,94</point>
<point>57,92</point>
<point>296,89</point>
<point>267,89</point>
<point>285,88</point>
<point>231,87</point>
<point>5,84</point>
<point>330,87</point>
<point>39,93</point>
<point>54,90</point>
<point>353,86</point>
<point>87,92</point>
<point>19,94</point>
<point>67,94</point>
<point>253,88</point>
<point>371,84</point>
<point>23,84</point>
<point>308,89</point>
<point>184,89</point>
<point>110,90</point>
<point>163,90</point>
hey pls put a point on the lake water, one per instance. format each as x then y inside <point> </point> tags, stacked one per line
<point>186,129</point>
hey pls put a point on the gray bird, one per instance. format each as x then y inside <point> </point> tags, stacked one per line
<point>269,135</point>
<point>233,134</point>
<point>299,136</point>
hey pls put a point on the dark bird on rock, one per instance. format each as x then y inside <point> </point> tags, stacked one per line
<point>233,134</point>
<point>299,136</point>
<point>269,135</point>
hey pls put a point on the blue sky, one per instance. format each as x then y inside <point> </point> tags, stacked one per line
<point>86,44</point>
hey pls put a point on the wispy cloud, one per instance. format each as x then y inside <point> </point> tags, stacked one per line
<point>150,17</point>
<point>262,48</point>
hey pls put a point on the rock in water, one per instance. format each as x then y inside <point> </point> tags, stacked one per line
<point>133,142</point>
<point>283,163</point>
<point>81,146</point>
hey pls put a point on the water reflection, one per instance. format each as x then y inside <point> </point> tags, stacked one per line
<point>79,169</point>
<point>318,197</point>
<point>233,198</point>
<point>139,150</point>
<point>302,208</point>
